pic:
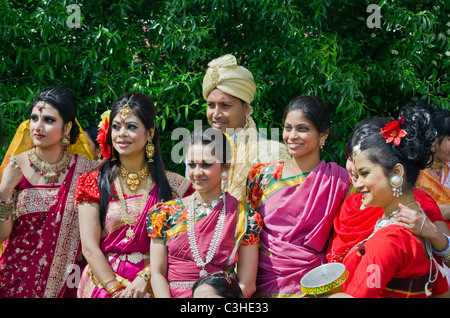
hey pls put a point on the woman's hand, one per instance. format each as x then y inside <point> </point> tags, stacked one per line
<point>414,221</point>
<point>421,226</point>
<point>10,178</point>
<point>137,289</point>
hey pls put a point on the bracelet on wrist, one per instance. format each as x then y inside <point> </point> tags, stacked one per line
<point>115,291</point>
<point>6,209</point>
<point>444,255</point>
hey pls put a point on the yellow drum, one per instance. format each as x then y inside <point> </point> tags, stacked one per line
<point>326,278</point>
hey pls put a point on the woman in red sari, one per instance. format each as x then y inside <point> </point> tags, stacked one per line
<point>207,232</point>
<point>113,201</point>
<point>392,261</point>
<point>38,212</point>
<point>354,222</point>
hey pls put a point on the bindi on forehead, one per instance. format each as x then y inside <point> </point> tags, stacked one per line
<point>40,105</point>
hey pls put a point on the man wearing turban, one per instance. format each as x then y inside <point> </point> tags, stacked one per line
<point>229,90</point>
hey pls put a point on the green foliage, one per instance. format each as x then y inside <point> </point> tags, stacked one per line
<point>161,48</point>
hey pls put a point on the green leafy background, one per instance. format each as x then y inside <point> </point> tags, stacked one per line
<point>162,48</point>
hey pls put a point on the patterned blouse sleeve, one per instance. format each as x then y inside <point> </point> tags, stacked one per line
<point>254,189</point>
<point>255,223</point>
<point>158,220</point>
<point>87,188</point>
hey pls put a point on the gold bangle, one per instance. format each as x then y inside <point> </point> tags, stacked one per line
<point>113,291</point>
<point>108,281</point>
<point>6,209</point>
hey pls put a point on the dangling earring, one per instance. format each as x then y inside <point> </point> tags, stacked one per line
<point>396,182</point>
<point>65,142</point>
<point>321,144</point>
<point>224,180</point>
<point>150,151</point>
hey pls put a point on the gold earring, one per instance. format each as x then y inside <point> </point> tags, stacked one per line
<point>150,151</point>
<point>321,144</point>
<point>65,142</point>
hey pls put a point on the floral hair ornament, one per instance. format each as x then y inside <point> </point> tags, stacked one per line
<point>356,150</point>
<point>102,134</point>
<point>125,111</point>
<point>393,133</point>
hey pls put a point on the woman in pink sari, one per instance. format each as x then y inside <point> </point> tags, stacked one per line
<point>297,200</point>
<point>38,212</point>
<point>206,232</point>
<point>113,201</point>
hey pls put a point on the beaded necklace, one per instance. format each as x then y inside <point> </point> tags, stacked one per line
<point>214,242</point>
<point>51,171</point>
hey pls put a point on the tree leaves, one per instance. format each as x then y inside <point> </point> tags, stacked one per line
<point>162,48</point>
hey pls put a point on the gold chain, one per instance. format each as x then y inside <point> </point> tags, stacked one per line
<point>125,216</point>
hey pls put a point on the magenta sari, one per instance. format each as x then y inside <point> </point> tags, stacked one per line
<point>127,255</point>
<point>298,215</point>
<point>45,241</point>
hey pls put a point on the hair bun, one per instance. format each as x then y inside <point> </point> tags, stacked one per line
<point>416,144</point>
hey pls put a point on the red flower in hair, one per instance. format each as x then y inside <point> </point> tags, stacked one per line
<point>101,139</point>
<point>393,133</point>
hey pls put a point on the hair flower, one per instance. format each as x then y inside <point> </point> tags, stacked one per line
<point>393,133</point>
<point>102,134</point>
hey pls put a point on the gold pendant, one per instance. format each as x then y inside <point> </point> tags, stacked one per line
<point>133,181</point>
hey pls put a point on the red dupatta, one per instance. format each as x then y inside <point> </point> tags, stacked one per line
<point>351,226</point>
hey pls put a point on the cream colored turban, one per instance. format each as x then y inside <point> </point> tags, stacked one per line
<point>224,73</point>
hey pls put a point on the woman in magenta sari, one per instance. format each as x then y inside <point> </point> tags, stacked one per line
<point>112,199</point>
<point>297,200</point>
<point>206,232</point>
<point>38,212</point>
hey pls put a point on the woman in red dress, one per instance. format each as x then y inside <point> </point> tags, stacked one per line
<point>392,261</point>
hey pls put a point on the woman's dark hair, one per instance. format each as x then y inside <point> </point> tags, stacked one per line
<point>225,285</point>
<point>440,119</point>
<point>414,150</point>
<point>92,132</point>
<point>142,107</point>
<point>362,129</point>
<point>64,101</point>
<point>215,138</point>
<point>314,109</point>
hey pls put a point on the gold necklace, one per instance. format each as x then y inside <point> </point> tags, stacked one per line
<point>125,216</point>
<point>437,167</point>
<point>134,179</point>
<point>51,171</point>
<point>295,172</point>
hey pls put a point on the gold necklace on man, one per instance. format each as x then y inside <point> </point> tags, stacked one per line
<point>134,179</point>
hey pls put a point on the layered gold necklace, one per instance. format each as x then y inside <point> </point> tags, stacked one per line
<point>51,171</point>
<point>134,179</point>
<point>127,216</point>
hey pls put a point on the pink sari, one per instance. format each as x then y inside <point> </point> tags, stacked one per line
<point>181,265</point>
<point>127,256</point>
<point>298,216</point>
<point>45,240</point>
